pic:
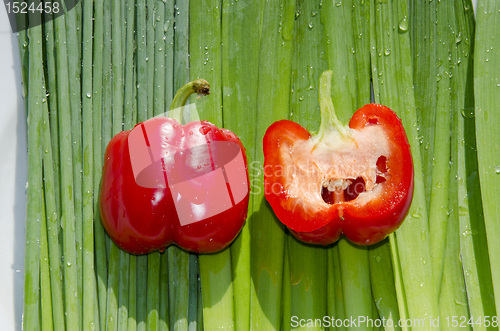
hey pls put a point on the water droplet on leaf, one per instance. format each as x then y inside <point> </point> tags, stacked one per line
<point>467,112</point>
<point>403,25</point>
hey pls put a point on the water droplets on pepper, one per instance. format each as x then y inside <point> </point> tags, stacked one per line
<point>205,129</point>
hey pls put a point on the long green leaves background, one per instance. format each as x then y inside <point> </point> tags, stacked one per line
<point>107,65</point>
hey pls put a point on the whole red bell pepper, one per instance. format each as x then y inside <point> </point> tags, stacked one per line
<point>355,180</point>
<point>165,183</point>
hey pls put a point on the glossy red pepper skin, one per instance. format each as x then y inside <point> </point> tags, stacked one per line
<point>363,221</point>
<point>143,219</point>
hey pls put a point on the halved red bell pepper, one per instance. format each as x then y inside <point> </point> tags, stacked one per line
<point>355,180</point>
<point>165,183</point>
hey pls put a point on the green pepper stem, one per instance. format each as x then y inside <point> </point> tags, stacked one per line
<point>329,120</point>
<point>199,86</point>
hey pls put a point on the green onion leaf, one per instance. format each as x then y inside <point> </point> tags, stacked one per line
<point>487,98</point>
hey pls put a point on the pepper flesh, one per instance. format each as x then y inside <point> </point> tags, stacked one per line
<point>152,195</point>
<point>355,180</point>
